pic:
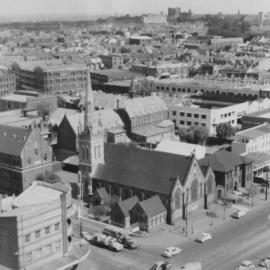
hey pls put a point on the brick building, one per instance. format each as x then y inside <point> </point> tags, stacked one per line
<point>232,171</point>
<point>24,153</point>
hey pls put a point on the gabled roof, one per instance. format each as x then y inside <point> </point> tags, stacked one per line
<point>143,169</point>
<point>127,205</point>
<point>224,161</point>
<point>153,206</point>
<point>103,194</point>
<point>13,139</point>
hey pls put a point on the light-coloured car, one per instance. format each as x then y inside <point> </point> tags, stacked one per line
<point>86,236</point>
<point>204,237</point>
<point>171,251</point>
<point>160,265</point>
<point>238,214</point>
<point>265,262</point>
<point>246,265</point>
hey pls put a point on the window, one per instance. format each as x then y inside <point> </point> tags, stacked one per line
<point>188,114</point>
<point>37,233</point>
<point>174,112</point>
<point>194,190</point>
<point>196,115</point>
<point>203,125</point>
<point>28,257</point>
<point>57,226</point>
<point>188,123</point>
<point>47,230</point>
<point>58,245</point>
<point>27,238</point>
<point>203,116</point>
<point>182,114</point>
<point>182,122</point>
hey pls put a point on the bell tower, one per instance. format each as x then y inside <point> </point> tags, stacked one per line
<point>91,141</point>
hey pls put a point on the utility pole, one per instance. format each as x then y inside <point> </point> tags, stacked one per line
<point>186,214</point>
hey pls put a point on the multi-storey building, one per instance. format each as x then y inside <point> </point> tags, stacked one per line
<point>217,43</point>
<point>37,229</point>
<point>255,139</point>
<point>51,77</point>
<point>206,114</point>
<point>7,83</point>
<point>114,61</point>
<point>181,69</point>
<point>222,87</point>
<point>24,153</point>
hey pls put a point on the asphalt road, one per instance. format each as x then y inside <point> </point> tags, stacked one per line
<point>234,241</point>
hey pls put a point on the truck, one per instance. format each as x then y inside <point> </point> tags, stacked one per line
<point>121,236</point>
<point>191,266</point>
<point>108,242</point>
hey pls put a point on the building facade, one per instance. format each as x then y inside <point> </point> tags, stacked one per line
<point>255,139</point>
<point>47,77</point>
<point>232,171</point>
<point>7,83</point>
<point>24,153</point>
<point>37,229</point>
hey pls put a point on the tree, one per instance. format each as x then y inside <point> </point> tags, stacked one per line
<point>252,193</point>
<point>194,134</point>
<point>48,177</point>
<point>224,130</point>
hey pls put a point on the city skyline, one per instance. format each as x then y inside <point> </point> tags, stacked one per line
<point>112,7</point>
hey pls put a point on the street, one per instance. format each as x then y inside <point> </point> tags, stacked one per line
<point>234,241</point>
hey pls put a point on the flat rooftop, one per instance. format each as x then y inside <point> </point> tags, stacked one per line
<point>255,132</point>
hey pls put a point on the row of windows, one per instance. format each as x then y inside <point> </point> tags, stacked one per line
<point>195,115</point>
<point>227,115</point>
<point>183,90</point>
<point>85,152</point>
<point>42,252</point>
<point>189,123</point>
<point>37,234</point>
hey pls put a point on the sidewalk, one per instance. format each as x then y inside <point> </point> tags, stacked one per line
<point>198,222</point>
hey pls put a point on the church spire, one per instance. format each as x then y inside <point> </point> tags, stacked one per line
<point>88,103</point>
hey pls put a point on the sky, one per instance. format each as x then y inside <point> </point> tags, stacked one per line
<point>109,7</point>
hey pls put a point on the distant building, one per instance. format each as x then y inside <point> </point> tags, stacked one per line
<point>174,12</point>
<point>24,153</point>
<point>50,77</point>
<point>38,230</point>
<point>166,68</point>
<point>217,43</point>
<point>114,61</point>
<point>154,19</point>
<point>140,40</point>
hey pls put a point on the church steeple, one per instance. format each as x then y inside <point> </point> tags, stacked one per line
<point>88,103</point>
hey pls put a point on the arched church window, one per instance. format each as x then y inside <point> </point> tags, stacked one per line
<point>194,190</point>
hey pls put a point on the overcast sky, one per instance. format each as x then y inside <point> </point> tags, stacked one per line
<point>97,7</point>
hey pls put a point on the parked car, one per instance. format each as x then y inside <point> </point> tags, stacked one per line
<point>265,262</point>
<point>86,236</point>
<point>204,237</point>
<point>238,214</point>
<point>171,251</point>
<point>161,265</point>
<point>246,265</point>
